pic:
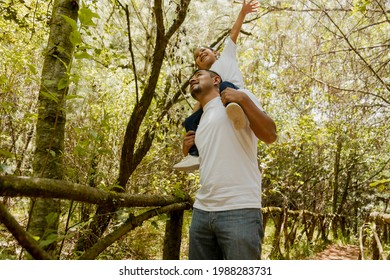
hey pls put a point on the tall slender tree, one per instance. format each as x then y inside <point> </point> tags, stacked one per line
<point>50,127</point>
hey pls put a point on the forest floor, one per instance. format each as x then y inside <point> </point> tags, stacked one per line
<point>338,252</point>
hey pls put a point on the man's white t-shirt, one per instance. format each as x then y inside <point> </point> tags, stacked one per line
<point>229,174</point>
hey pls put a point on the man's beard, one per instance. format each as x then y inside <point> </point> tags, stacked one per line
<point>195,91</point>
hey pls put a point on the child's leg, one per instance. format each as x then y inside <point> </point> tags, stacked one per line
<point>191,123</point>
<point>225,84</point>
<point>233,110</point>
<point>191,161</point>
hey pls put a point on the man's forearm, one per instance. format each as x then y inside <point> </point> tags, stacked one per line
<point>261,124</point>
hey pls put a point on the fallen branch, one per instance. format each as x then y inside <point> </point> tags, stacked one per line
<point>380,218</point>
<point>15,186</point>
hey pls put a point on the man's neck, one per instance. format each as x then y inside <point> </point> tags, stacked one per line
<point>207,97</point>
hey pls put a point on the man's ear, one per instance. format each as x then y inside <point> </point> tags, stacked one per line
<point>217,80</point>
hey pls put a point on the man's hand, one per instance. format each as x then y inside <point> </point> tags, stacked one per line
<point>232,95</point>
<point>261,124</point>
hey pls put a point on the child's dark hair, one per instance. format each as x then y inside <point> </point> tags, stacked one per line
<point>202,46</point>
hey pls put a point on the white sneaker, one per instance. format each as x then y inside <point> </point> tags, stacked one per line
<point>237,115</point>
<point>189,163</point>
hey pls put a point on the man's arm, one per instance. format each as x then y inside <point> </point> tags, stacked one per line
<point>247,8</point>
<point>261,124</point>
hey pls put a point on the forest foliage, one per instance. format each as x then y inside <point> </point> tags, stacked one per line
<point>319,68</point>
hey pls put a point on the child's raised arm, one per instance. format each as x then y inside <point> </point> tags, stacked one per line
<point>247,7</point>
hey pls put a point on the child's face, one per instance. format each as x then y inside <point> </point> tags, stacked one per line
<point>204,57</point>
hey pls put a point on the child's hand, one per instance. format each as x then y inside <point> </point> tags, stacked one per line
<point>232,95</point>
<point>188,142</point>
<point>250,6</point>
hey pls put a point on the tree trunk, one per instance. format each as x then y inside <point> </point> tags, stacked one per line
<point>336,173</point>
<point>172,241</point>
<point>50,128</point>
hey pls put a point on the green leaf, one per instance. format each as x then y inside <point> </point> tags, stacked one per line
<point>75,38</point>
<point>49,96</point>
<point>72,96</point>
<point>51,218</point>
<point>49,83</point>
<point>360,5</point>
<point>71,21</point>
<point>48,240</point>
<point>80,55</point>
<point>63,83</point>
<point>36,238</point>
<point>86,16</point>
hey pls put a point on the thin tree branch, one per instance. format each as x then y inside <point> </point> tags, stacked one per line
<point>383,10</point>
<point>378,171</point>
<point>353,48</point>
<point>24,239</point>
<point>319,10</point>
<point>349,49</point>
<point>369,25</point>
<point>158,13</point>
<point>181,15</point>
<point>126,9</point>
<point>336,87</point>
<point>131,223</point>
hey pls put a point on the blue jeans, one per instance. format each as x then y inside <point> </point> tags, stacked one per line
<point>229,235</point>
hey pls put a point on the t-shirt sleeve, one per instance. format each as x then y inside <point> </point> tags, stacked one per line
<point>227,64</point>
<point>230,49</point>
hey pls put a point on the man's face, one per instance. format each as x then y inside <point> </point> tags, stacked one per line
<point>204,57</point>
<point>201,81</point>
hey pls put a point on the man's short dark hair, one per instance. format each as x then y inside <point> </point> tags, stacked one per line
<point>212,73</point>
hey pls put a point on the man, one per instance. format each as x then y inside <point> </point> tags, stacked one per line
<point>227,220</point>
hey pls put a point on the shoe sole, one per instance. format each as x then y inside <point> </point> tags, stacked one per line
<point>236,115</point>
<point>187,168</point>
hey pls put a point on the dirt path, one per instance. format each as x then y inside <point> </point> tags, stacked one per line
<point>339,252</point>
